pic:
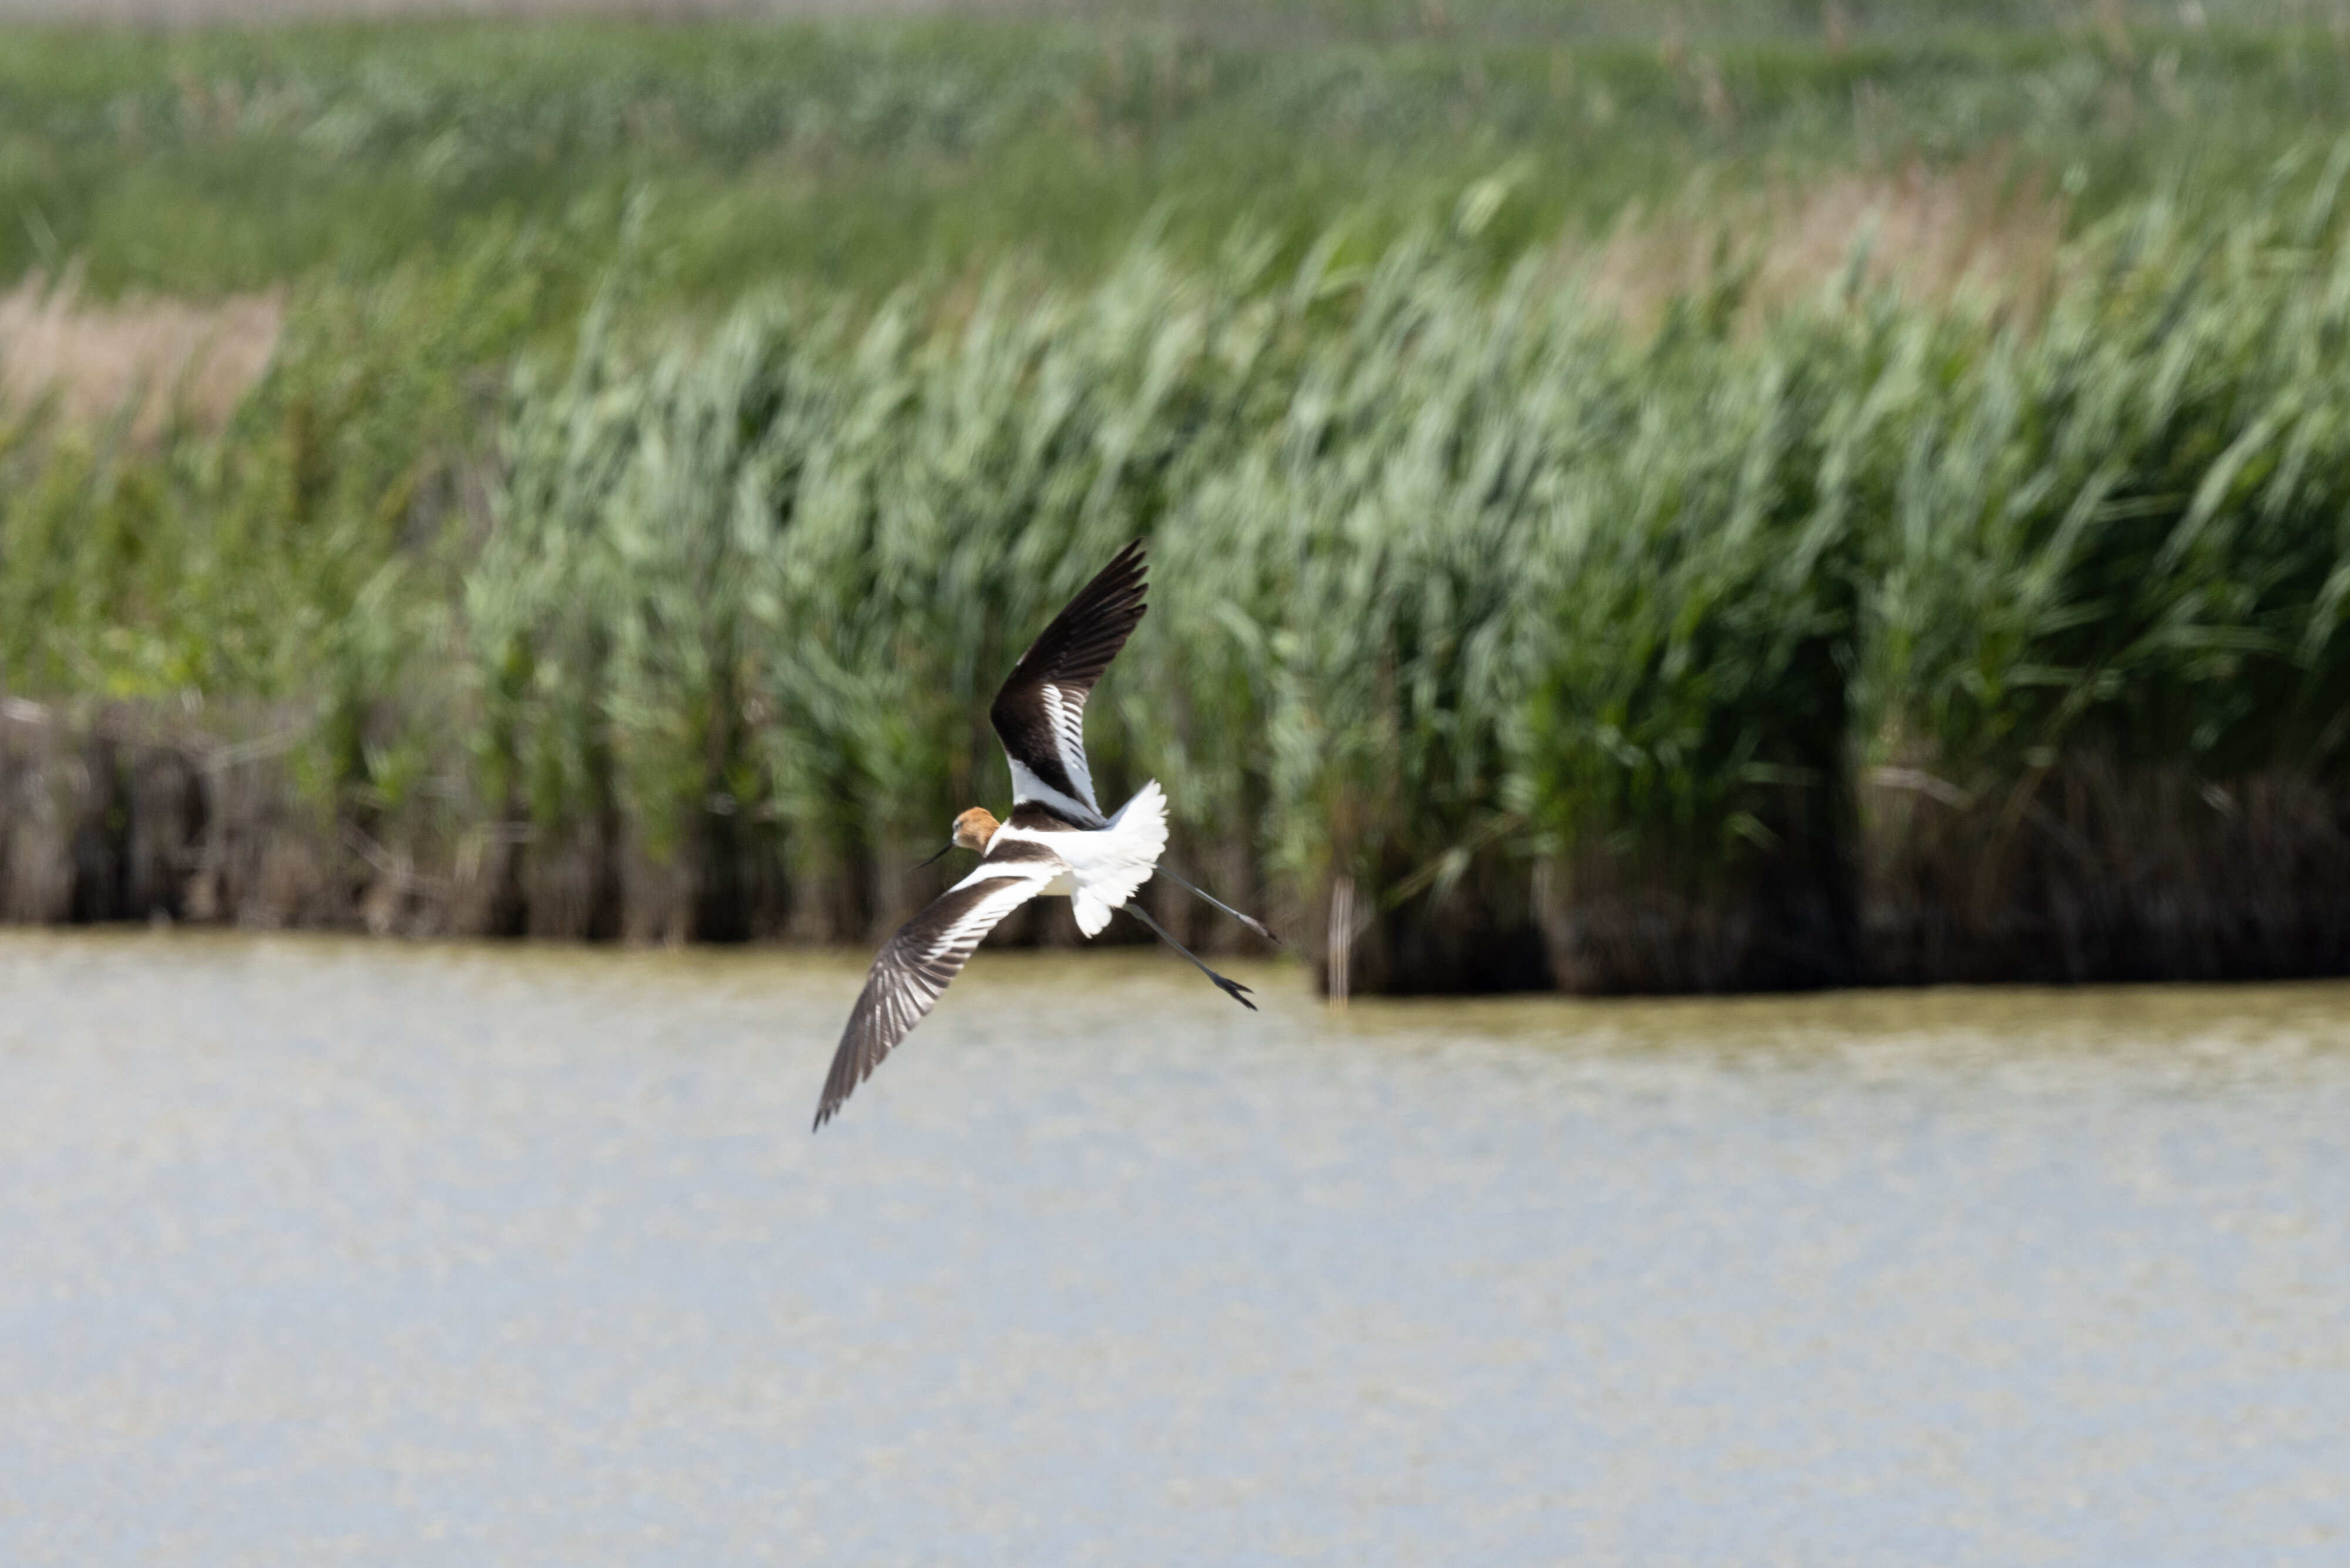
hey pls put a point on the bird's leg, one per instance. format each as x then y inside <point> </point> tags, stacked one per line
<point>1231,988</point>
<point>1248,920</point>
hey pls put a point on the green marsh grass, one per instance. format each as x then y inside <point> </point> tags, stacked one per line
<point>862,154</point>
<point>1876,635</point>
<point>1918,609</point>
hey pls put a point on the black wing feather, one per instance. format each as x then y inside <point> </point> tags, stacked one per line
<point>906,981</point>
<point>1071,653</point>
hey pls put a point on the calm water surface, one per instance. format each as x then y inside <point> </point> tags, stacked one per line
<point>318,1252</point>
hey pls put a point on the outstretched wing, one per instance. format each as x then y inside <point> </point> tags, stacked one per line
<point>1040,713</point>
<point>928,951</point>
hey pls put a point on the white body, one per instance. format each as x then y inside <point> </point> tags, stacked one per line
<point>1106,867</point>
<point>1098,868</point>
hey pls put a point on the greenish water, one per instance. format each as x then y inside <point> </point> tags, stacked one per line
<point>320,1252</point>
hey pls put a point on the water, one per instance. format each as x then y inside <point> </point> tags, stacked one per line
<point>318,1252</point>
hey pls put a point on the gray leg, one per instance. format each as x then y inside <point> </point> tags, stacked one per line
<point>1231,988</point>
<point>1249,921</point>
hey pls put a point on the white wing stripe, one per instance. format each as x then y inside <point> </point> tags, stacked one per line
<point>1026,786</point>
<point>1066,711</point>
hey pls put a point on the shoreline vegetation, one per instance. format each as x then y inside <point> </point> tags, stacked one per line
<point>1912,544</point>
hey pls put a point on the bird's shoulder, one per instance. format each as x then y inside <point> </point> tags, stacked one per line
<point>1021,845</point>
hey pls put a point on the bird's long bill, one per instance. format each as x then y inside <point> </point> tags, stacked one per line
<point>933,860</point>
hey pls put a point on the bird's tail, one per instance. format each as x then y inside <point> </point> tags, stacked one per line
<point>1108,866</point>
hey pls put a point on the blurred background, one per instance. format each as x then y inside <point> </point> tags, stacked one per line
<point>1649,498</point>
<point>1743,496</point>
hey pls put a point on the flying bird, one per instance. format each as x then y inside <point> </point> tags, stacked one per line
<point>1057,842</point>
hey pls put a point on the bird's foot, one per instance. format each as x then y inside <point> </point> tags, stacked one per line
<point>1235,990</point>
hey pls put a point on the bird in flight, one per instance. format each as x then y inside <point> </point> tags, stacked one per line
<point>1057,840</point>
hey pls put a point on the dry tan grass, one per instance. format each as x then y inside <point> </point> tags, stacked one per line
<point>96,358</point>
<point>1934,237</point>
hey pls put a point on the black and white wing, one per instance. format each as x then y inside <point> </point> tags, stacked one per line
<point>915,967</point>
<point>1040,713</point>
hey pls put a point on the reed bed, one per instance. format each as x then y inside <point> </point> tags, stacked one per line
<point>1763,638</point>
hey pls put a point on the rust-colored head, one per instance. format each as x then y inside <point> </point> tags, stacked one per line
<point>974,827</point>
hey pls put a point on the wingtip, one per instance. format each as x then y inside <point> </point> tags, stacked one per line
<point>1133,562</point>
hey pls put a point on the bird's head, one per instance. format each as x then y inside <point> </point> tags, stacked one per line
<point>974,827</point>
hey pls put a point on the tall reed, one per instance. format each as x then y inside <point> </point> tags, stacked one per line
<point>1876,635</point>
<point>2110,687</point>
